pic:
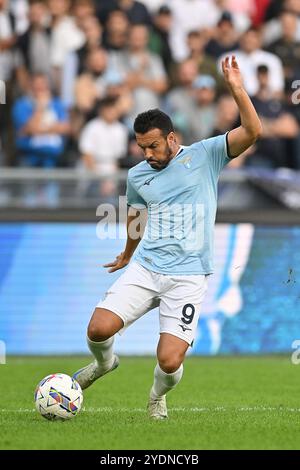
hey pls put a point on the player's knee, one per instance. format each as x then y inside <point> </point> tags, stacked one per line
<point>169,363</point>
<point>103,325</point>
<point>99,330</point>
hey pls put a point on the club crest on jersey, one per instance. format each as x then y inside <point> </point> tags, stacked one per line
<point>186,161</point>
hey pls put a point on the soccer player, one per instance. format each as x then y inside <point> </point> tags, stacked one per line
<point>178,187</point>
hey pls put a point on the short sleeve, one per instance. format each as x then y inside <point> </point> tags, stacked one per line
<point>133,198</point>
<point>22,112</point>
<point>217,151</point>
<point>87,140</point>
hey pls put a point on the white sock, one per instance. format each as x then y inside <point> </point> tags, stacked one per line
<point>164,382</point>
<point>103,352</point>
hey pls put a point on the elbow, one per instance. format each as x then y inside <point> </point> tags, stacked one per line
<point>256,133</point>
<point>259,131</point>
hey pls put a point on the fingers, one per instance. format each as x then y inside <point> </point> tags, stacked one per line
<point>112,270</point>
<point>109,265</point>
<point>223,66</point>
<point>113,266</point>
<point>226,63</point>
<point>234,62</point>
<point>116,268</point>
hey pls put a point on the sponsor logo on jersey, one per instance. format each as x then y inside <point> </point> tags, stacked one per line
<point>148,181</point>
<point>185,328</point>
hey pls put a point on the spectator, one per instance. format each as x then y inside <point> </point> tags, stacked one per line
<point>91,84</point>
<point>65,36</point>
<point>7,66</point>
<point>272,30</point>
<point>203,118</point>
<point>41,125</point>
<point>227,115</point>
<point>287,48</point>
<point>93,32</point>
<point>104,8</point>
<point>189,16</point>
<point>196,41</point>
<point>7,41</point>
<point>83,9</point>
<point>75,63</point>
<point>134,156</point>
<point>136,12</point>
<point>293,6</point>
<point>196,119</point>
<point>116,87</point>
<point>250,56</point>
<point>103,142</point>
<point>241,11</point>
<point>180,100</point>
<point>154,5</point>
<point>144,71</point>
<point>34,44</point>
<point>227,118</point>
<point>278,125</point>
<point>160,36</point>
<point>19,9</point>
<point>225,38</point>
<point>116,31</point>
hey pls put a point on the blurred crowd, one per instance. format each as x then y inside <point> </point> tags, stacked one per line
<point>78,72</point>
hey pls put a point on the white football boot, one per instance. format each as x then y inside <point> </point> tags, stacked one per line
<point>88,374</point>
<point>157,407</point>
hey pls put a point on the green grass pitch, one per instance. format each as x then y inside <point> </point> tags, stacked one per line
<point>221,403</point>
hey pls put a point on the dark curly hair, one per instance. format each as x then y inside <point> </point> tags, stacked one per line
<point>153,119</point>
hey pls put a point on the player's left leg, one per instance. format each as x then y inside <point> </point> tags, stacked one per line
<point>167,373</point>
<point>178,313</point>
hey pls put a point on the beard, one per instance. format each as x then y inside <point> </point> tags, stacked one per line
<point>163,163</point>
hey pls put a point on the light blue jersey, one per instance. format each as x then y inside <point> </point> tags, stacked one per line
<point>182,201</point>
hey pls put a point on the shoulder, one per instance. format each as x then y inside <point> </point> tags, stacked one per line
<point>267,56</point>
<point>93,127</point>
<point>138,169</point>
<point>211,145</point>
<point>121,128</point>
<point>23,103</point>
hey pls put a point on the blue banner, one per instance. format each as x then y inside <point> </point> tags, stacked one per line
<point>51,278</point>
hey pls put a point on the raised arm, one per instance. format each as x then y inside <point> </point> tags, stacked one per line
<point>250,130</point>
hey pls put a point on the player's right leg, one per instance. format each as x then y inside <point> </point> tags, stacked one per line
<point>131,296</point>
<point>103,325</point>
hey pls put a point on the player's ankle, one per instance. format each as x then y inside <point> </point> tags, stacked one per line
<point>105,366</point>
<point>154,395</point>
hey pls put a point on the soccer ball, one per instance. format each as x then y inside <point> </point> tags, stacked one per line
<point>58,397</point>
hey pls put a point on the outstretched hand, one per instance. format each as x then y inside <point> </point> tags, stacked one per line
<point>232,73</point>
<point>119,263</point>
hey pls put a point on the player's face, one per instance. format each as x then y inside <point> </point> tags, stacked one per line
<point>158,149</point>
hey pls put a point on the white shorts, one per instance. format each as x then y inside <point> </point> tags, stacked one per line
<point>139,290</point>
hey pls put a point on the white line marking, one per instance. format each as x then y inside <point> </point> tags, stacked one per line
<point>178,409</point>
